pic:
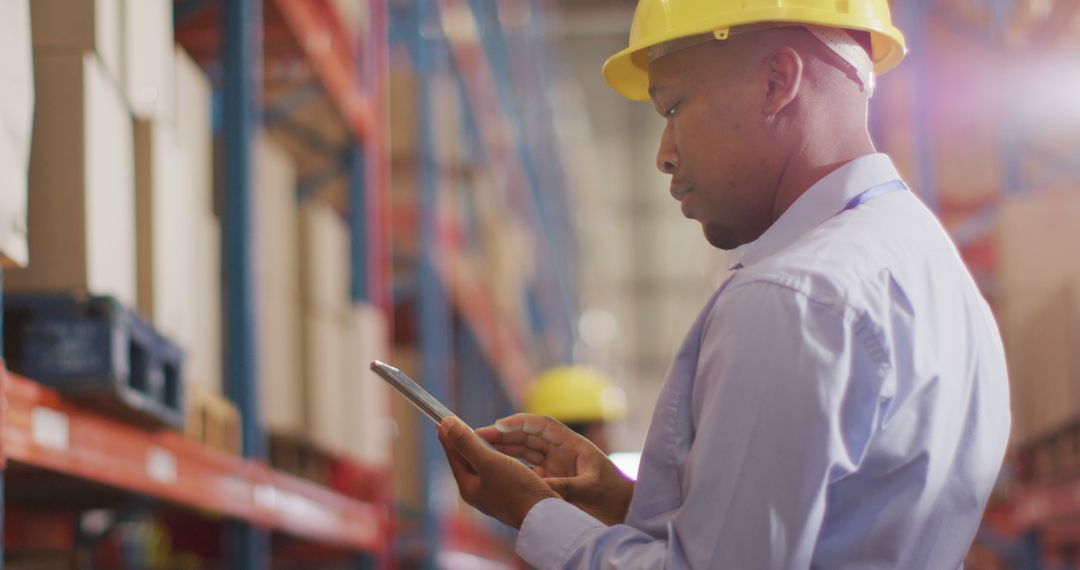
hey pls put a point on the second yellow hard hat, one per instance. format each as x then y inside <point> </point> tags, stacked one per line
<point>573,394</point>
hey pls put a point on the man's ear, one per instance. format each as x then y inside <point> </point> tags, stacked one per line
<point>783,71</point>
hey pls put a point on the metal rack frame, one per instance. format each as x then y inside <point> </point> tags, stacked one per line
<point>253,498</point>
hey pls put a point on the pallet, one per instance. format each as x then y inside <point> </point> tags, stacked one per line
<point>1052,457</point>
<point>213,420</point>
<point>97,351</point>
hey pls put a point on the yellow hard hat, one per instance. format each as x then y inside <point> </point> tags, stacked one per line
<point>573,394</point>
<point>659,21</point>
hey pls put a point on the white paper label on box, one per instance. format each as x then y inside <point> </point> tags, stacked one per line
<point>161,465</point>
<point>50,428</point>
<point>266,497</point>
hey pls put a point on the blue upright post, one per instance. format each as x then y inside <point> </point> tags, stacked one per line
<point>434,309</point>
<point>912,16</point>
<point>3,458</point>
<point>1030,551</point>
<point>248,547</point>
<point>358,225</point>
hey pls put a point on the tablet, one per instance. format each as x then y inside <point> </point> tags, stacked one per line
<point>412,391</point>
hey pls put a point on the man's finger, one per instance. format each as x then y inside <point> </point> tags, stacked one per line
<point>458,466</point>
<point>490,433</point>
<point>523,439</point>
<point>532,424</point>
<point>520,452</point>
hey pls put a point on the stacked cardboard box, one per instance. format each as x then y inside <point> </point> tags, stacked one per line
<point>325,293</point>
<point>148,55</point>
<point>82,226</point>
<point>16,118</point>
<point>277,295</point>
<point>1039,311</point>
<point>403,124</point>
<point>408,454</point>
<point>368,397</point>
<point>66,27</point>
<point>194,138</point>
<point>165,216</point>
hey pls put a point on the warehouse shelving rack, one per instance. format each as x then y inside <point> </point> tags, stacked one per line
<point>47,439</point>
<point>470,353</point>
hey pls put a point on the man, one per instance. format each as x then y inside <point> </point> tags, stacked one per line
<point>842,400</point>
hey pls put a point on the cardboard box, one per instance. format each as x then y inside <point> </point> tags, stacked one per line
<point>179,252</point>
<point>325,380</point>
<point>82,199</point>
<point>277,298</point>
<point>408,452</point>
<point>1039,312</point>
<point>448,136</point>
<point>166,220</point>
<point>194,124</point>
<point>203,363</point>
<point>67,26</point>
<point>149,72</point>
<point>16,122</point>
<point>194,134</point>
<point>403,126</point>
<point>368,404</point>
<point>325,264</point>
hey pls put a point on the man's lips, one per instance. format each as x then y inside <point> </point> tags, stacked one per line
<point>679,192</point>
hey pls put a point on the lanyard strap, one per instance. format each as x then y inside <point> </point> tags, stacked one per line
<point>864,197</point>
<point>874,192</point>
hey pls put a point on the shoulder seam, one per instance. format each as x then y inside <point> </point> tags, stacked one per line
<point>862,327</point>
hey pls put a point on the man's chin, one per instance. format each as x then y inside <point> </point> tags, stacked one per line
<point>720,238</point>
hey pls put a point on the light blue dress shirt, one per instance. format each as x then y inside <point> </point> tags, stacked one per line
<point>840,402</point>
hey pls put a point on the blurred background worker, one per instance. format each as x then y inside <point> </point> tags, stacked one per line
<point>583,399</point>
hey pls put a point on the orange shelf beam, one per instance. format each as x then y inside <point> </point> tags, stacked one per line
<point>329,53</point>
<point>1045,504</point>
<point>43,429</point>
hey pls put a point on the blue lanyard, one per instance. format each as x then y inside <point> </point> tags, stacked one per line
<point>874,192</point>
<point>863,197</point>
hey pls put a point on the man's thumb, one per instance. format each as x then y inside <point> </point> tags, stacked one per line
<point>462,437</point>
<point>562,485</point>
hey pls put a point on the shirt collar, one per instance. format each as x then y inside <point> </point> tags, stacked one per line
<point>826,198</point>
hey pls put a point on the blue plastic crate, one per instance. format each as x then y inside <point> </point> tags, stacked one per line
<point>96,350</point>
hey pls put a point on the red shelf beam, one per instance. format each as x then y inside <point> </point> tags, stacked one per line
<point>321,38</point>
<point>1046,504</point>
<point>43,429</point>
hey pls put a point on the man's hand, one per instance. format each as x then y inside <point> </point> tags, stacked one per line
<point>570,464</point>
<point>488,480</point>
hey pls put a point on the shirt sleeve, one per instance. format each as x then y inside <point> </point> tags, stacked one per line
<point>784,401</point>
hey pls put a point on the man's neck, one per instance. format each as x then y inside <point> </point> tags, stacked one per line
<point>814,162</point>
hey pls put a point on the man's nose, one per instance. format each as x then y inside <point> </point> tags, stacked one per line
<point>666,158</point>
